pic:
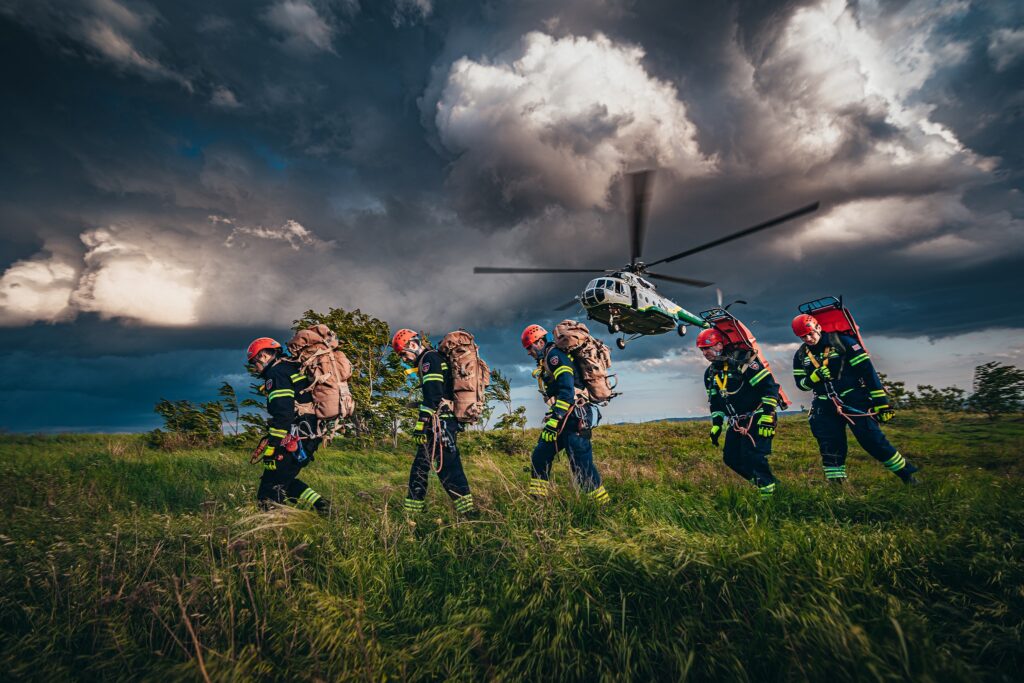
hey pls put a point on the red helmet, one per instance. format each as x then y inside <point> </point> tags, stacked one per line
<point>805,323</point>
<point>709,337</point>
<point>261,344</point>
<point>402,339</point>
<point>531,335</point>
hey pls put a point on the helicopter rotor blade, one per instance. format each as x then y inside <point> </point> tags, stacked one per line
<point>679,280</point>
<point>488,269</point>
<point>810,208</point>
<point>568,304</point>
<point>640,196</point>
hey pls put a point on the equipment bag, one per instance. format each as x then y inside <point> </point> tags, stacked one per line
<point>328,370</point>
<point>590,357</point>
<point>470,375</point>
<point>740,343</point>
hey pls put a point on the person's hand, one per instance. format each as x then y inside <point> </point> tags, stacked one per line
<point>821,374</point>
<point>550,431</point>
<point>766,425</point>
<point>419,434</point>
<point>884,411</point>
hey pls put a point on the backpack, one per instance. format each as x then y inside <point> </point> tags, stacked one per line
<point>590,358</point>
<point>328,369</point>
<point>470,375</point>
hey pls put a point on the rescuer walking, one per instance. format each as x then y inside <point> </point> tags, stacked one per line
<point>847,393</point>
<point>567,425</point>
<point>284,452</point>
<point>436,430</point>
<point>743,396</point>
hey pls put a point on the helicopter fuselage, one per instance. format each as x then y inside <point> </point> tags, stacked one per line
<point>630,304</point>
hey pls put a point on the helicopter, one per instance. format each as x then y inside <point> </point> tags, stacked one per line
<point>623,298</point>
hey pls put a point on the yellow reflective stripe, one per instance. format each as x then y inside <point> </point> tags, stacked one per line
<point>444,366</point>
<point>759,376</point>
<point>298,377</point>
<point>425,409</point>
<point>278,432</point>
<point>859,359</point>
<point>309,496</point>
<point>769,401</point>
<point>279,393</point>
<point>433,378</point>
<point>799,372</point>
<point>563,405</point>
<point>562,370</point>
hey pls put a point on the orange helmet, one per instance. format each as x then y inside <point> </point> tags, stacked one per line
<point>261,344</point>
<point>402,339</point>
<point>709,337</point>
<point>532,334</point>
<point>805,324</point>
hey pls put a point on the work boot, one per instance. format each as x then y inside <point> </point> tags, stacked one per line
<point>322,507</point>
<point>906,475</point>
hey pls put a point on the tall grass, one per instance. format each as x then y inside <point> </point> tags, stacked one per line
<point>118,562</point>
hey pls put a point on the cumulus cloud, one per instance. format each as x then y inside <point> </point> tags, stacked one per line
<point>303,28</point>
<point>127,273</point>
<point>1006,46</point>
<point>838,86</point>
<point>556,120</point>
<point>133,274</point>
<point>37,289</point>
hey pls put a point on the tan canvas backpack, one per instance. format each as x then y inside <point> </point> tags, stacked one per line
<point>470,374</point>
<point>328,370</point>
<point>591,358</point>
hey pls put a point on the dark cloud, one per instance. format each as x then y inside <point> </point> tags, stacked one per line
<point>176,178</point>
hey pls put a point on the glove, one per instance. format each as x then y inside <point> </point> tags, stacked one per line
<point>419,434</point>
<point>716,429</point>
<point>884,410</point>
<point>550,431</point>
<point>821,374</point>
<point>766,425</point>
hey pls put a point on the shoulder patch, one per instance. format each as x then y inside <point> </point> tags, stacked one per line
<point>754,365</point>
<point>426,367</point>
<point>268,385</point>
<point>856,347</point>
<point>553,360</point>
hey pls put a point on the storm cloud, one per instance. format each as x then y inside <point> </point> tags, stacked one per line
<point>174,171</point>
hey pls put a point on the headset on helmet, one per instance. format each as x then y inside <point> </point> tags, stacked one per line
<point>804,324</point>
<point>532,334</point>
<point>402,339</point>
<point>261,344</point>
<point>709,337</point>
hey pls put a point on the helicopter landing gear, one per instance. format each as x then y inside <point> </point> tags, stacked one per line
<point>622,341</point>
<point>613,328</point>
<point>681,330</point>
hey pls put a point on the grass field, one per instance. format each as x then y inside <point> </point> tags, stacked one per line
<point>120,562</point>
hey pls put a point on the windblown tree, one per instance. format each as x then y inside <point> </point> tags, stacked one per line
<point>998,389</point>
